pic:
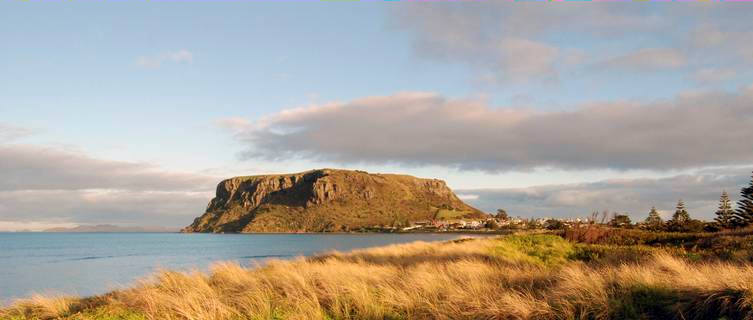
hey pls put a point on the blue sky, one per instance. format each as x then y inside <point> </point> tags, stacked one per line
<point>190,88</point>
<point>72,70</point>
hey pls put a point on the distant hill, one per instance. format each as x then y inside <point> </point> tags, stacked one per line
<point>327,200</point>
<point>111,228</point>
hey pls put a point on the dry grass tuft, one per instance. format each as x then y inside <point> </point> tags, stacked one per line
<point>43,307</point>
<point>514,277</point>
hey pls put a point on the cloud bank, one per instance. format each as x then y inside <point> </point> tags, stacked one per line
<point>45,186</point>
<point>414,129</point>
<point>634,196</point>
<point>26,167</point>
<point>120,207</point>
<point>518,42</point>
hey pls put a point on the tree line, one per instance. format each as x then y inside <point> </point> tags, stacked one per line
<point>727,217</point>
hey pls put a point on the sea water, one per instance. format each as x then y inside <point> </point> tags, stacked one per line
<point>92,263</point>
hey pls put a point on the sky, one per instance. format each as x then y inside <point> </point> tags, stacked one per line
<point>130,113</point>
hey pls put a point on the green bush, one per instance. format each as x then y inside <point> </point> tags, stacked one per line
<point>610,254</point>
<point>644,302</point>
<point>541,249</point>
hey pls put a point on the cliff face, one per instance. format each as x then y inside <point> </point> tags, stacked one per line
<point>326,200</point>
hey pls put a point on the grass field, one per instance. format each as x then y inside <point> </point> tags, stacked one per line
<point>445,214</point>
<point>535,276</point>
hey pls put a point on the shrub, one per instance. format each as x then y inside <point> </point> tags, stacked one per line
<point>620,221</point>
<point>554,224</point>
<point>546,250</point>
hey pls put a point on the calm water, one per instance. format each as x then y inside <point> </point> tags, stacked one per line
<point>92,263</point>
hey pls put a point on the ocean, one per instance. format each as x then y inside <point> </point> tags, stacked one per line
<point>92,263</point>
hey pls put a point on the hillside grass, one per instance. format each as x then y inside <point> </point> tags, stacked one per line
<point>447,214</point>
<point>535,276</point>
<point>327,200</point>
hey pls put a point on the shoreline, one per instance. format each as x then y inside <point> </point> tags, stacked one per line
<point>496,232</point>
<point>365,232</point>
<point>89,260</point>
<point>523,276</point>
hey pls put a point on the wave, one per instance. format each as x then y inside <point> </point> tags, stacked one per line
<point>267,256</point>
<point>100,257</point>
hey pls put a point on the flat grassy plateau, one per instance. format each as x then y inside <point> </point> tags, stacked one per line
<point>584,273</point>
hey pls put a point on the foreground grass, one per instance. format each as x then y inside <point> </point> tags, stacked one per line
<point>512,277</point>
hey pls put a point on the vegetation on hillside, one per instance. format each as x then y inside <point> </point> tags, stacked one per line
<point>328,200</point>
<point>527,276</point>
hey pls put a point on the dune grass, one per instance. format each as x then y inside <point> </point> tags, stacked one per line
<point>511,277</point>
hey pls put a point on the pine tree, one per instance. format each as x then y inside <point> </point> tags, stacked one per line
<point>744,214</point>
<point>620,221</point>
<point>725,216</point>
<point>681,215</point>
<point>502,214</point>
<point>654,220</point>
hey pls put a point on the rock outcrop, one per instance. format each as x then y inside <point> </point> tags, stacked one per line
<point>327,200</point>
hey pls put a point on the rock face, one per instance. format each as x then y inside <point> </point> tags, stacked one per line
<point>327,200</point>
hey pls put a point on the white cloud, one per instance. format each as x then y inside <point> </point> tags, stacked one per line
<point>48,187</point>
<point>713,75</point>
<point>691,130</point>
<point>27,167</point>
<point>97,206</point>
<point>724,39</point>
<point>9,132</point>
<point>156,61</point>
<point>234,123</point>
<point>524,59</point>
<point>648,60</point>
<point>635,39</point>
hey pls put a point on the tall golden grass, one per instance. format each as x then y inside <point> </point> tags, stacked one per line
<point>472,279</point>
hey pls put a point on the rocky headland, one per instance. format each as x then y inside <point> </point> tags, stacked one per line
<point>327,200</point>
